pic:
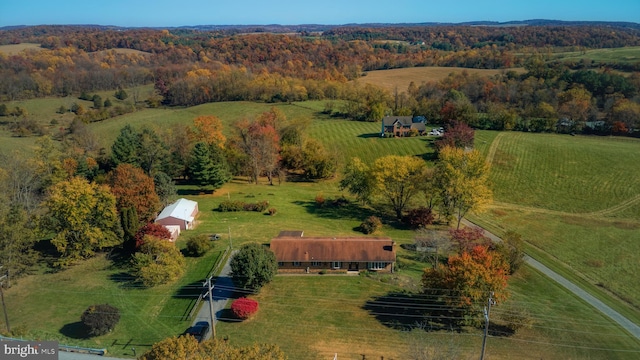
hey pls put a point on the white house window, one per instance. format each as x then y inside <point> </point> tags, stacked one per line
<point>315,263</point>
<point>377,265</point>
<point>296,263</point>
<point>336,264</point>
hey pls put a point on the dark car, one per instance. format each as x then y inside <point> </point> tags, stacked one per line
<point>199,330</point>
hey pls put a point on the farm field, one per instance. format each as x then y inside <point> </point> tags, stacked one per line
<point>400,79</point>
<point>14,49</point>
<point>625,55</point>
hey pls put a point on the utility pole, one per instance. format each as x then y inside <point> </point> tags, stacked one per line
<point>487,311</point>
<point>4,306</point>
<point>230,243</point>
<point>212,315</point>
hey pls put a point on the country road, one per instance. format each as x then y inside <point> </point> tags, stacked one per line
<point>625,323</point>
<point>222,291</point>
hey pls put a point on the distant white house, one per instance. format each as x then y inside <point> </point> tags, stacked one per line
<point>181,213</point>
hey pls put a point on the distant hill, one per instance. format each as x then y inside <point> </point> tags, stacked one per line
<point>277,28</point>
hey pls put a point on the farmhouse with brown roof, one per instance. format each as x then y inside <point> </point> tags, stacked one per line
<point>296,253</point>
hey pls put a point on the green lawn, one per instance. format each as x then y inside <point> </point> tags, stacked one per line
<point>49,305</point>
<point>318,316</point>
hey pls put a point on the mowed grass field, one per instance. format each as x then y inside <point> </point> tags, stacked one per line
<point>565,327</point>
<point>576,201</point>
<point>400,79</point>
<point>624,55</point>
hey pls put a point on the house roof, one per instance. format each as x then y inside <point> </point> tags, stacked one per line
<point>181,209</point>
<point>390,120</point>
<point>333,249</point>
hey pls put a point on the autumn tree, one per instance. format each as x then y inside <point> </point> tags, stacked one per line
<point>467,280</point>
<point>576,105</point>
<point>83,217</point>
<point>133,188</point>
<point>462,177</point>
<point>398,179</point>
<point>626,112</point>
<point>457,134</point>
<point>187,347</point>
<point>260,143</point>
<point>358,180</point>
<point>157,262</point>
<point>20,181</point>
<point>208,129</point>
<point>317,162</point>
<point>18,234</point>
<point>151,229</point>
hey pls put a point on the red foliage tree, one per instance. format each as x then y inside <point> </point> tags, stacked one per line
<point>420,217</point>
<point>457,134</point>
<point>468,238</point>
<point>152,229</point>
<point>243,308</point>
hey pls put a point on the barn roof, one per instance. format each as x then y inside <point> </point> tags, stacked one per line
<point>181,209</point>
<point>333,249</point>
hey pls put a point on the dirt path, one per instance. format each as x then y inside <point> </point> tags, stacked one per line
<point>625,323</point>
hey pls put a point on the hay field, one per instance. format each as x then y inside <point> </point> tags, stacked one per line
<point>14,49</point>
<point>400,78</point>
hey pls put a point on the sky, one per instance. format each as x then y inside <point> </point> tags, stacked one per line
<point>167,13</point>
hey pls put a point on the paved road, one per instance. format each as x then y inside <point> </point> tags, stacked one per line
<point>222,291</point>
<point>590,299</point>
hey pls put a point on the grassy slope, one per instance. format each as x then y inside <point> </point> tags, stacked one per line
<point>625,55</point>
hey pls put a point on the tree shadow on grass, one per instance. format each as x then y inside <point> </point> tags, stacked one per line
<point>192,291</point>
<point>331,211</point>
<point>407,311</point>
<point>76,330</point>
<point>368,136</point>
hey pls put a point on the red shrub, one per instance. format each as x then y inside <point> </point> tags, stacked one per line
<point>420,217</point>
<point>243,308</point>
<point>152,229</point>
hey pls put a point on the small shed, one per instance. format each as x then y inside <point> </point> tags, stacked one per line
<point>181,213</point>
<point>174,230</point>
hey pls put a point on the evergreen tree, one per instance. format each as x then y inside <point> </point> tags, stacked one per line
<point>125,148</point>
<point>207,168</point>
<point>130,226</point>
<point>165,188</point>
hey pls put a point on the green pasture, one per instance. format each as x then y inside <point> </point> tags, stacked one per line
<point>624,55</point>
<point>49,306</point>
<point>574,174</point>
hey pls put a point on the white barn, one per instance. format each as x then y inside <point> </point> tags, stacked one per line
<point>181,213</point>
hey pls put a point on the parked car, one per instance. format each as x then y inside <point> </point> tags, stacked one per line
<point>435,132</point>
<point>199,330</point>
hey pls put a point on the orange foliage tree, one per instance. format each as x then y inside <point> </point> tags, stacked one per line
<point>208,129</point>
<point>133,188</point>
<point>467,280</point>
